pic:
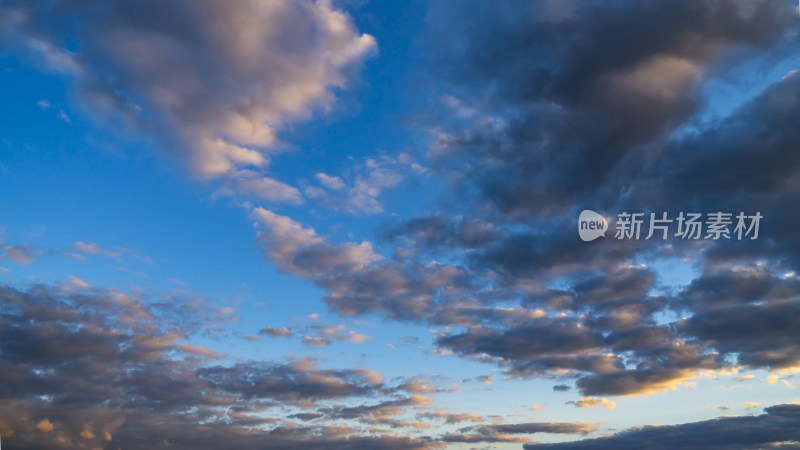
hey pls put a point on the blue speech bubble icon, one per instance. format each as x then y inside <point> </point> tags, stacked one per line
<point>591,225</point>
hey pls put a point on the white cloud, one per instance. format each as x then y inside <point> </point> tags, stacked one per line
<point>78,282</point>
<point>330,182</point>
<point>257,185</point>
<point>591,402</point>
<point>359,189</point>
<point>300,250</point>
<point>214,81</point>
<point>92,248</point>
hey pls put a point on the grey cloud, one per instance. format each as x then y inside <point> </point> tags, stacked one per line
<point>738,286</point>
<point>509,432</point>
<point>733,166</point>
<point>622,284</point>
<point>778,424</point>
<point>55,339</point>
<point>297,382</point>
<point>313,341</point>
<point>21,253</point>
<point>276,331</point>
<point>634,381</point>
<point>764,335</point>
<point>451,418</point>
<point>300,250</point>
<point>544,337</point>
<point>378,414</point>
<point>572,106</point>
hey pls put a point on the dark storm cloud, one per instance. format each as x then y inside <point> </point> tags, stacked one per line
<point>623,284</point>
<point>634,381</point>
<point>751,153</point>
<point>641,338</point>
<point>543,337</point>
<point>764,335</point>
<point>745,162</point>
<point>550,109</point>
<point>661,365</point>
<point>542,345</point>
<point>778,425</point>
<point>627,315</point>
<point>584,89</point>
<point>737,287</point>
<point>561,388</point>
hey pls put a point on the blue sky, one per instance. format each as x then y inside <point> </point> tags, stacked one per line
<point>352,224</point>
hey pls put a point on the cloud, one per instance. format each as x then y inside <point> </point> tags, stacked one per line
<point>22,253</point>
<point>331,182</point>
<point>569,110</point>
<point>635,381</point>
<point>761,335</point>
<point>313,341</point>
<point>300,250</point>
<point>359,189</point>
<point>530,133</point>
<point>778,424</point>
<point>214,85</point>
<point>451,418</point>
<point>78,282</point>
<point>591,402</point>
<point>52,340</point>
<point>508,432</point>
<point>383,413</point>
<point>325,334</point>
<point>338,332</point>
<point>299,382</point>
<point>45,425</point>
<point>259,186</point>
<point>92,248</point>
<point>200,351</point>
<point>485,379</point>
<point>501,266</point>
<point>276,332</point>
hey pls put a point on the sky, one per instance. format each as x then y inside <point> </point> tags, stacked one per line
<point>354,224</point>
